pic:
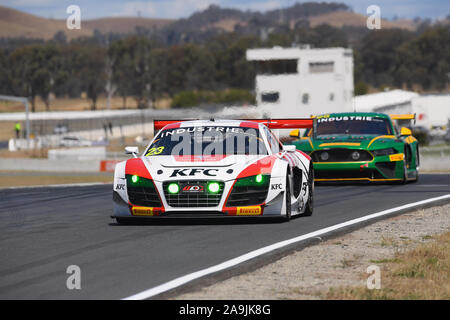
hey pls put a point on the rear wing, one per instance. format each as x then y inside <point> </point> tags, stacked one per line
<point>403,117</point>
<point>300,123</point>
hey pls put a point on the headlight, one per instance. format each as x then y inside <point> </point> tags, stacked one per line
<point>258,180</point>
<point>173,188</point>
<point>324,156</point>
<point>213,187</point>
<point>356,155</point>
<point>384,152</point>
<point>137,181</point>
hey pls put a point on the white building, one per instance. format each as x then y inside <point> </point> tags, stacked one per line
<point>393,101</point>
<point>432,110</point>
<point>295,82</point>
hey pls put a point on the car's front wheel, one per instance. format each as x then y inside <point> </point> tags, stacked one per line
<point>310,204</point>
<point>288,206</point>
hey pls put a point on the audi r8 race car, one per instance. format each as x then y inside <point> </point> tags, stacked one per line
<point>215,169</point>
<point>361,147</point>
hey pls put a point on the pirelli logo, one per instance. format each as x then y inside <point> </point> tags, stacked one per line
<point>248,211</point>
<point>397,157</point>
<point>142,211</point>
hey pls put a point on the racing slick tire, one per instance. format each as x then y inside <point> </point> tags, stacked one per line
<point>417,165</point>
<point>288,200</point>
<point>310,204</point>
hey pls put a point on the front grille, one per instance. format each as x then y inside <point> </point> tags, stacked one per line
<point>199,199</point>
<point>341,155</point>
<point>143,193</point>
<point>247,195</point>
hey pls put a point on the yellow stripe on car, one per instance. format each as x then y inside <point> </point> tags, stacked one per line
<point>348,144</point>
<point>379,137</point>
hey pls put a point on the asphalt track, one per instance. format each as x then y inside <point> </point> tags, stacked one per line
<point>45,230</point>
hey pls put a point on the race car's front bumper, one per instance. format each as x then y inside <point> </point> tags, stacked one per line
<point>269,208</point>
<point>383,169</point>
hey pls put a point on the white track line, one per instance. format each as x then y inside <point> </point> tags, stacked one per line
<point>253,254</point>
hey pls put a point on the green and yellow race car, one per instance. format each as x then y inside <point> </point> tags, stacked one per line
<point>360,147</point>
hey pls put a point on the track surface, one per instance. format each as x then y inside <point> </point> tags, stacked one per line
<point>44,230</point>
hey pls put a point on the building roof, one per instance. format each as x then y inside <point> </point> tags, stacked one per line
<point>373,101</point>
<point>279,53</point>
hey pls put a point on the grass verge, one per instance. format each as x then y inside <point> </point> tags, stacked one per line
<point>420,273</point>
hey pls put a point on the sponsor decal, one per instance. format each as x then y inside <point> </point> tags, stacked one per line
<point>347,118</point>
<point>193,189</point>
<point>193,172</point>
<point>248,211</point>
<point>179,131</point>
<point>397,157</point>
<point>142,211</point>
<point>120,186</point>
<point>277,186</point>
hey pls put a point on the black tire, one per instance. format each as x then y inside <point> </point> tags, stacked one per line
<point>310,204</point>
<point>417,165</point>
<point>288,200</point>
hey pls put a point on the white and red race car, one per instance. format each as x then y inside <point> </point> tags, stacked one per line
<point>215,168</point>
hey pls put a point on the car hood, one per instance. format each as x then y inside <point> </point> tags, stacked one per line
<point>350,141</point>
<point>164,168</point>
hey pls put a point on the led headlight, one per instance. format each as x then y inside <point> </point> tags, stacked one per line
<point>258,180</point>
<point>213,187</point>
<point>384,152</point>
<point>173,188</point>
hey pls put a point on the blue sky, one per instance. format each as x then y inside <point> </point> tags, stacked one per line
<point>434,9</point>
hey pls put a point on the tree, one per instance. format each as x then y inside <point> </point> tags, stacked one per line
<point>425,60</point>
<point>92,72</point>
<point>378,52</point>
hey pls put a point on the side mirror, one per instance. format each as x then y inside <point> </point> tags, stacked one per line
<point>289,148</point>
<point>405,132</point>
<point>132,150</point>
<point>295,133</point>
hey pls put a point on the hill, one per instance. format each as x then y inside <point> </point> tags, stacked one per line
<point>14,23</point>
<point>214,19</point>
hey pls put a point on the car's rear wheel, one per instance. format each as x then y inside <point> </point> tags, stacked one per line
<point>310,204</point>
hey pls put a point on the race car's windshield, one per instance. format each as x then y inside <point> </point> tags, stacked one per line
<point>208,141</point>
<point>348,125</point>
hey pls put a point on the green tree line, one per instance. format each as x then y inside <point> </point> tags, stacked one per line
<point>145,69</point>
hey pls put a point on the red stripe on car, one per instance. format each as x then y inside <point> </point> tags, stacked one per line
<point>263,166</point>
<point>137,167</point>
